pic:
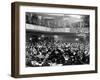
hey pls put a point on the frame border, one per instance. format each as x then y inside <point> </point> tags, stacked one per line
<point>15,38</point>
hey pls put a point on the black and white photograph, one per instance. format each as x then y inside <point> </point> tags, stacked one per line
<point>54,39</point>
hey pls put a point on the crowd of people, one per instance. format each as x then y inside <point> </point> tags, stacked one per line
<point>53,53</point>
<point>37,20</point>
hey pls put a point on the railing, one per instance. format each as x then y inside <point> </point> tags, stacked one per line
<point>48,29</point>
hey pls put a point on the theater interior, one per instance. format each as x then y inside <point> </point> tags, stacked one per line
<point>48,33</point>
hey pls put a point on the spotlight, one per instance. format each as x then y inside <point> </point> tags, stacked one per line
<point>39,38</point>
<point>76,39</point>
<point>55,36</point>
<point>30,38</point>
<point>42,35</point>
